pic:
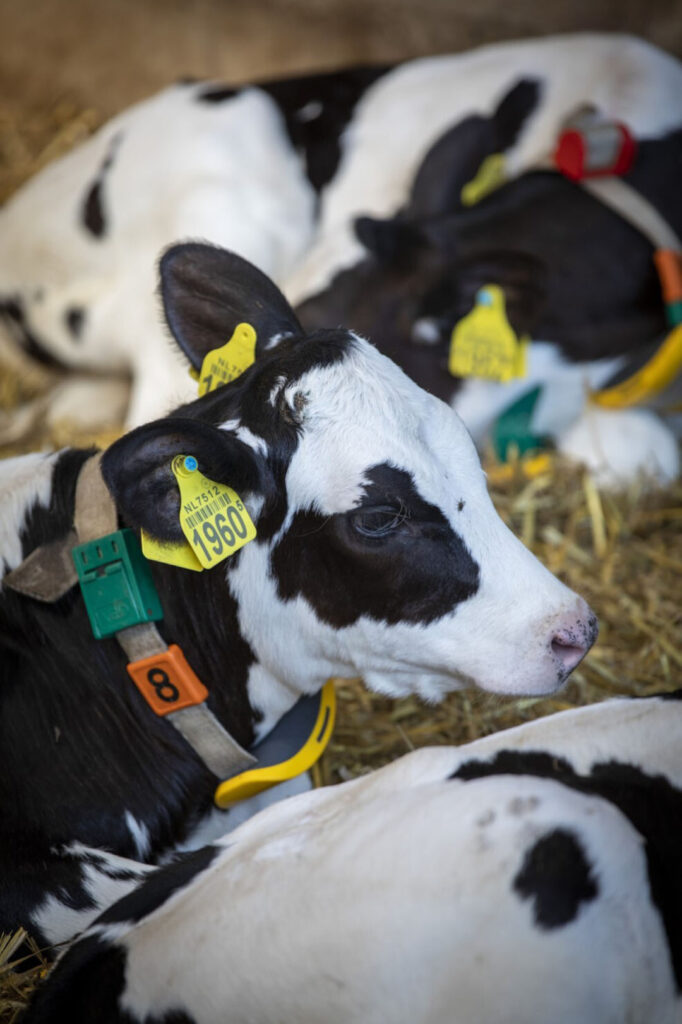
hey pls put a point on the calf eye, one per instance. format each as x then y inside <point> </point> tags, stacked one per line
<point>378,521</point>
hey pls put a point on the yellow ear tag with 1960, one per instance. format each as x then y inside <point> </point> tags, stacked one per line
<point>484,344</point>
<point>221,365</point>
<point>213,517</point>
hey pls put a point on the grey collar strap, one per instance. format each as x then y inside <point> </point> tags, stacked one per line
<point>49,572</point>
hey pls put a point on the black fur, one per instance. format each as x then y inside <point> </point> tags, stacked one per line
<point>153,892</point>
<point>650,802</point>
<point>93,212</point>
<point>556,876</point>
<point>318,138</point>
<point>573,271</point>
<point>207,291</point>
<point>13,312</point>
<point>74,318</point>
<point>416,573</point>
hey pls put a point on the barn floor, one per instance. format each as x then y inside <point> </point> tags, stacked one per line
<point>68,67</point>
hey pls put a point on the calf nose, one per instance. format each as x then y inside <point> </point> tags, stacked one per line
<point>572,640</point>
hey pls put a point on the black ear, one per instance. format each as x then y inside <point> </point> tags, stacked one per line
<point>451,162</point>
<point>455,158</point>
<point>393,242</point>
<point>137,470</point>
<point>207,291</point>
<point>513,110</point>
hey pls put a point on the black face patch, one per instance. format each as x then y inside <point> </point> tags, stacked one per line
<point>159,886</point>
<point>93,215</point>
<point>650,802</point>
<point>75,319</point>
<point>346,567</point>
<point>316,110</point>
<point>556,877</point>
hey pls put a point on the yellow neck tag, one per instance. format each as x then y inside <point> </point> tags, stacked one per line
<point>221,365</point>
<point>179,554</point>
<point>212,516</point>
<point>484,343</point>
<point>490,175</point>
<point>654,377</point>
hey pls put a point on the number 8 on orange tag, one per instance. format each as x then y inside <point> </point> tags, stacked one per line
<point>167,682</point>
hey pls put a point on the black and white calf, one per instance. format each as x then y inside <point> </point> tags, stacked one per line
<point>378,554</point>
<point>527,877</point>
<point>578,279</point>
<point>277,172</point>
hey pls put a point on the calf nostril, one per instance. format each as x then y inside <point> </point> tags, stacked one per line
<point>567,652</point>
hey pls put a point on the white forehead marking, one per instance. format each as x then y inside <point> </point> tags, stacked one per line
<point>25,481</point>
<point>363,411</point>
<point>247,436</point>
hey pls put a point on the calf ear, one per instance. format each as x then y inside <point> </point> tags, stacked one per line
<point>392,242</point>
<point>451,162</point>
<point>137,470</point>
<point>207,291</point>
<point>513,110</point>
<point>455,158</point>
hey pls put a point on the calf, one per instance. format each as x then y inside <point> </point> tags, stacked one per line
<point>576,277</point>
<point>378,553</point>
<point>277,172</point>
<point>530,876</point>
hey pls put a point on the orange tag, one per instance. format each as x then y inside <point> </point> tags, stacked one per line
<point>669,266</point>
<point>167,682</point>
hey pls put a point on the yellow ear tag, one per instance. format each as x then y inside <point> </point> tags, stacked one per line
<point>212,516</point>
<point>221,365</point>
<point>484,343</point>
<point>490,175</point>
<point>170,553</point>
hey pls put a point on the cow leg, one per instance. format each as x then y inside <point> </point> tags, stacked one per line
<point>618,445</point>
<point>56,897</point>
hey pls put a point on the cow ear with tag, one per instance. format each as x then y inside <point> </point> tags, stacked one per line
<point>209,292</point>
<point>138,470</point>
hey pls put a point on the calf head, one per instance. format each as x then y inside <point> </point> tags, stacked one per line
<point>573,272</point>
<point>379,552</point>
<point>421,272</point>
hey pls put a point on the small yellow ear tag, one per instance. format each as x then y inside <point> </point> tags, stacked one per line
<point>212,516</point>
<point>170,553</point>
<point>484,343</point>
<point>490,175</point>
<point>221,365</point>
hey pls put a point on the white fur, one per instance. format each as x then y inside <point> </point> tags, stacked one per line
<point>223,172</point>
<point>361,412</point>
<point>226,172</point>
<point>140,835</point>
<point>391,898</point>
<point>59,922</point>
<point>619,445</point>
<point>400,117</point>
<point>25,481</point>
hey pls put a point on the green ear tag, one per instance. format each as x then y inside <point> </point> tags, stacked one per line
<point>490,175</point>
<point>212,516</point>
<point>484,344</point>
<point>221,365</point>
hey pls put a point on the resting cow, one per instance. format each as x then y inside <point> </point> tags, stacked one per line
<point>378,554</point>
<point>576,277</point>
<point>276,172</point>
<point>527,877</point>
